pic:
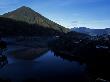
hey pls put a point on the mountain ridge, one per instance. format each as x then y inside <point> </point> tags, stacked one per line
<point>92,32</point>
<point>30,16</point>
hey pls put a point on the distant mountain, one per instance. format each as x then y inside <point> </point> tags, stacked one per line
<point>28,15</point>
<point>92,32</point>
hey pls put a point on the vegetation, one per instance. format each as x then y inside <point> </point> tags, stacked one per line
<point>82,45</point>
<point>10,27</point>
<point>69,41</point>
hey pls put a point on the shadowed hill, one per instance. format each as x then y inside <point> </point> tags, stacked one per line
<point>28,15</point>
<point>10,27</point>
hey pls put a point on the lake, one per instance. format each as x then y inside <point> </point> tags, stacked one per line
<point>47,67</point>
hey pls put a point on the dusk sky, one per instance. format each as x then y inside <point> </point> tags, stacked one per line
<point>69,13</point>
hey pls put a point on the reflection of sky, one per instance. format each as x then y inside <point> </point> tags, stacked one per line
<point>90,13</point>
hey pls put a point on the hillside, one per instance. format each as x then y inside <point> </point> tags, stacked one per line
<point>10,27</point>
<point>28,15</point>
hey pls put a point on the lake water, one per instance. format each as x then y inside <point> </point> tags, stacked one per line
<point>47,67</point>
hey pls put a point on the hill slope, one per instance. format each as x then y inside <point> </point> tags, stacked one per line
<point>28,15</point>
<point>10,27</point>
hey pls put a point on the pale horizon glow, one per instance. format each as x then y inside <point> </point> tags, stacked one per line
<point>68,13</point>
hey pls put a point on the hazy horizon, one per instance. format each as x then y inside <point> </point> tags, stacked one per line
<point>71,13</point>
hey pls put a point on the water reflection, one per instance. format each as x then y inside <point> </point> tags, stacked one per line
<point>98,67</point>
<point>52,67</point>
<point>69,57</point>
<point>47,67</point>
<point>3,61</point>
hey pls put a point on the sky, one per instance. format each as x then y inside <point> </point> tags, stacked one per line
<point>68,13</point>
